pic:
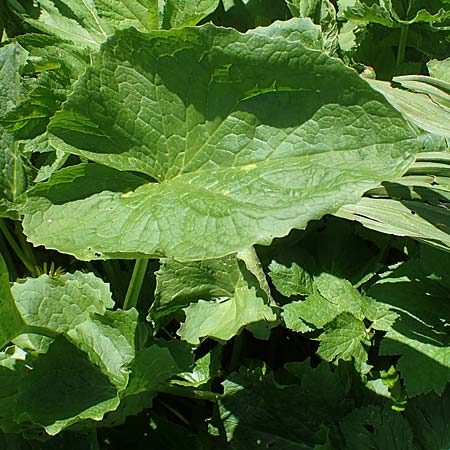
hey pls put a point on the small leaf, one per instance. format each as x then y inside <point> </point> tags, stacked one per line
<point>223,319</point>
<point>345,338</point>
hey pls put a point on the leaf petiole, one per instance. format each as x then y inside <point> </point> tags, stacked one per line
<point>134,288</point>
<point>402,44</point>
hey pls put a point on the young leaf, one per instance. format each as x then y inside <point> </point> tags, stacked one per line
<point>88,24</point>
<point>58,304</point>
<point>226,145</point>
<point>345,338</point>
<point>225,318</point>
<point>323,13</point>
<point>182,13</point>
<point>178,284</point>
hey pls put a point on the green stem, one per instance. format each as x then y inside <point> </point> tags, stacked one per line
<point>10,263</point>
<point>180,391</point>
<point>94,441</point>
<point>25,245</point>
<point>43,331</point>
<point>13,244</point>
<point>175,412</point>
<point>238,344</point>
<point>134,288</point>
<point>402,44</point>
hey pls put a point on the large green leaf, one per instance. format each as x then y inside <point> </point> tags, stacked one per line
<point>55,390</point>
<point>13,173</point>
<point>243,146</point>
<point>69,350</point>
<point>11,322</point>
<point>71,343</point>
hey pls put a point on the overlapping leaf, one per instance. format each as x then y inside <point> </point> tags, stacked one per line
<point>71,342</point>
<point>377,428</point>
<point>418,291</point>
<point>415,205</point>
<point>242,146</point>
<point>338,308</point>
<point>221,297</point>
<point>13,167</point>
<point>88,24</point>
<point>73,30</point>
<point>440,69</point>
<point>424,101</point>
<point>11,322</point>
<point>391,14</point>
<point>254,409</point>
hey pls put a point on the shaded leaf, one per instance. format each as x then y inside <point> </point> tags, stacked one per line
<point>418,292</point>
<point>429,416</point>
<point>11,321</point>
<point>378,429</point>
<point>253,410</point>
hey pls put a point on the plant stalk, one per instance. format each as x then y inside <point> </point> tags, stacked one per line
<point>16,248</point>
<point>238,345</point>
<point>402,44</point>
<point>180,391</point>
<point>26,247</point>
<point>94,441</point>
<point>134,288</point>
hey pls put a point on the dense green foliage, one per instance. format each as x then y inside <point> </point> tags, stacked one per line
<point>225,224</point>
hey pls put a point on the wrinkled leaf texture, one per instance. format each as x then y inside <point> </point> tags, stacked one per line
<point>245,136</point>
